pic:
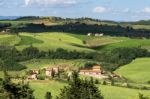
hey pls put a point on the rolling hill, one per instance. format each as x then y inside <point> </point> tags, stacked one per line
<point>137,71</point>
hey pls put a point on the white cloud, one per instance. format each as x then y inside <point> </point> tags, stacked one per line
<point>146,10</point>
<point>50,2</point>
<point>126,10</point>
<point>99,9</point>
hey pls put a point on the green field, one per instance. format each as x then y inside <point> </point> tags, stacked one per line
<point>137,71</point>
<point>54,40</point>
<point>44,41</point>
<point>109,92</point>
<point>127,42</point>
<point>9,40</point>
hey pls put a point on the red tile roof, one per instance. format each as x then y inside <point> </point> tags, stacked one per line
<point>94,71</point>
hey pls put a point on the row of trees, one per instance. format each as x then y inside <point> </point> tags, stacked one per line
<point>10,56</point>
<point>83,28</point>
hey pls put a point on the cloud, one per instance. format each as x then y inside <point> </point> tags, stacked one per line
<point>126,10</point>
<point>50,2</point>
<point>99,9</point>
<point>146,10</point>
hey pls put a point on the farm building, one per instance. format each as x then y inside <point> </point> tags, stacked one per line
<point>89,34</point>
<point>48,71</point>
<point>33,74</point>
<point>35,71</point>
<point>95,70</point>
<point>99,34</point>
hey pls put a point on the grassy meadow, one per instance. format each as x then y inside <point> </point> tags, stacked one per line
<point>54,40</point>
<point>109,92</point>
<point>137,71</point>
<point>127,42</point>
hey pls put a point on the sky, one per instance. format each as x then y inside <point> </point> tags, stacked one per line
<point>118,10</point>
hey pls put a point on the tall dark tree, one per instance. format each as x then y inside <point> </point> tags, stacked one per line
<point>80,89</point>
<point>16,91</point>
<point>48,95</point>
<point>141,96</point>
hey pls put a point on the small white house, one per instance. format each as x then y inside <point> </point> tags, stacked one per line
<point>3,31</point>
<point>99,34</point>
<point>89,34</point>
<point>96,34</point>
<point>32,76</point>
<point>48,72</point>
<point>102,34</point>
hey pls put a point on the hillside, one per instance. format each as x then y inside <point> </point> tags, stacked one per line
<point>137,71</point>
<point>44,41</point>
<point>109,92</point>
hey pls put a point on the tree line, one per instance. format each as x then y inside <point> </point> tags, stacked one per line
<point>77,27</point>
<point>10,56</point>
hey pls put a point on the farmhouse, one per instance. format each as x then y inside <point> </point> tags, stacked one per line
<point>99,34</point>
<point>35,71</point>
<point>95,70</point>
<point>48,71</point>
<point>89,34</point>
<point>33,74</point>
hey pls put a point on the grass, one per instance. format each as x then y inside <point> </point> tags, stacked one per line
<point>137,71</point>
<point>41,87</point>
<point>26,40</point>
<point>141,27</point>
<point>112,92</point>
<point>99,41</point>
<point>126,42</point>
<point>9,40</point>
<point>55,40</point>
<point>109,92</point>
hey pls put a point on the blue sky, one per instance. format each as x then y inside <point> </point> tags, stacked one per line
<point>118,10</point>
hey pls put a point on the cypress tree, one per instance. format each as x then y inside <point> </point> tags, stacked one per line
<point>80,89</point>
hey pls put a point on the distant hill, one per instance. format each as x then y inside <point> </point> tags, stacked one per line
<point>8,17</point>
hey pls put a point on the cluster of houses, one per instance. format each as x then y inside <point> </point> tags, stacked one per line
<point>95,71</point>
<point>96,34</point>
<point>48,72</point>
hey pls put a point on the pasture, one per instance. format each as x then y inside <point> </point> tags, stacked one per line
<point>126,42</point>
<point>109,92</point>
<point>137,71</point>
<point>54,40</point>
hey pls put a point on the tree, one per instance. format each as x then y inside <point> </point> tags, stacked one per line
<point>53,73</point>
<point>141,96</point>
<point>31,52</point>
<point>48,95</point>
<point>16,91</point>
<point>80,89</point>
